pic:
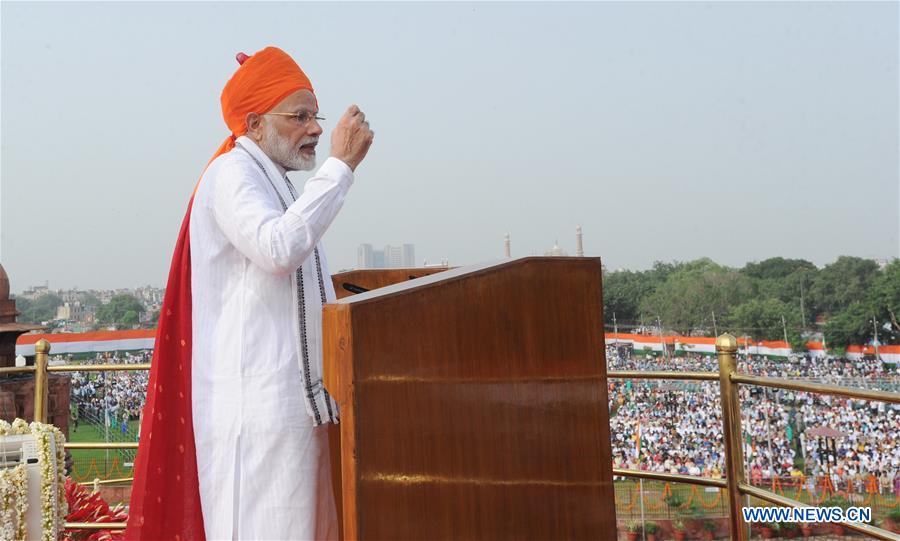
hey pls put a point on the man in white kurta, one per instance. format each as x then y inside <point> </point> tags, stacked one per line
<point>259,279</point>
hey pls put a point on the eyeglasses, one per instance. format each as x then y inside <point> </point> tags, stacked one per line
<point>303,117</point>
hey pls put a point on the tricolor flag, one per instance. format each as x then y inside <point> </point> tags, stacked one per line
<point>637,441</point>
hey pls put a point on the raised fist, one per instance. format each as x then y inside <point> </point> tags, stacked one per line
<point>352,137</point>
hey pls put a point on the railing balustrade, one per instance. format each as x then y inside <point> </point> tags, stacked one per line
<point>735,483</point>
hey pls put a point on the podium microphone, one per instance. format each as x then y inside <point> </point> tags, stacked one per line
<point>353,288</point>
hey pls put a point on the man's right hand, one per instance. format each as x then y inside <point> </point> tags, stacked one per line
<point>351,138</point>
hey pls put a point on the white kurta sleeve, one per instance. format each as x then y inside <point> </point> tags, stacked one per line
<point>255,223</point>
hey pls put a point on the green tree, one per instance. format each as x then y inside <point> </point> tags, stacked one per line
<point>782,279</point>
<point>624,291</point>
<point>23,305</point>
<point>622,294</point>
<point>761,319</point>
<point>129,319</point>
<point>884,301</point>
<point>777,267</point>
<point>116,310</point>
<point>688,297</point>
<point>853,325</point>
<point>660,271</point>
<point>40,309</point>
<point>842,283</point>
<point>89,299</point>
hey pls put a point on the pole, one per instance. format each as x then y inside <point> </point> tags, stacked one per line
<point>106,417</point>
<point>644,533</point>
<point>784,328</point>
<point>106,424</point>
<point>715,328</point>
<point>802,309</point>
<point>616,331</point>
<point>41,384</point>
<point>769,434</point>
<point>875,328</point>
<point>726,347</point>
<point>661,343</point>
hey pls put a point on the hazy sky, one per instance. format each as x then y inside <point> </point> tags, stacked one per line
<point>737,131</point>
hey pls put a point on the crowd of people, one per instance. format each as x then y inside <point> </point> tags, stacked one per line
<point>118,396</point>
<point>676,427</point>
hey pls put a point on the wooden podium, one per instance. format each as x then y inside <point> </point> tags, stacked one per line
<point>473,404</point>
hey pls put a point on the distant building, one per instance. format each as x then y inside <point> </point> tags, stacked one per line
<point>556,251</point>
<point>35,292</point>
<point>579,245</point>
<point>71,296</point>
<point>149,295</point>
<point>377,259</point>
<point>409,255</point>
<point>365,257</point>
<point>391,257</point>
<point>70,311</point>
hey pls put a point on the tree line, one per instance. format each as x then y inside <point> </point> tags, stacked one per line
<point>848,300</point>
<point>123,311</point>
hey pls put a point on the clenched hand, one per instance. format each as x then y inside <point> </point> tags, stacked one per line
<point>352,137</point>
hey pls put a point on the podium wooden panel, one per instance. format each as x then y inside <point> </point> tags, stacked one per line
<point>377,278</point>
<point>474,405</point>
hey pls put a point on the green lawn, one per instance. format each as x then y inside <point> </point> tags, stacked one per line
<point>100,463</point>
<point>699,502</point>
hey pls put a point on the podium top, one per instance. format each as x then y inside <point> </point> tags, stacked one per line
<point>462,273</point>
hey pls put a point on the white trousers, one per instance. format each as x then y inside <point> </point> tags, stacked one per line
<point>280,487</point>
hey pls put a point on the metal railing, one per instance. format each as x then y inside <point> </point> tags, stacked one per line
<point>735,482</point>
<point>41,370</point>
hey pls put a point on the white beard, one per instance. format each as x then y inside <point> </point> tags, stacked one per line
<point>280,151</point>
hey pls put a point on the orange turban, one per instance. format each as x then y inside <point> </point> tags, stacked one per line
<point>258,85</point>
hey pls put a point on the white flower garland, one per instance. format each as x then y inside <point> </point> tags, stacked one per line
<point>13,489</point>
<point>13,502</point>
<point>14,483</point>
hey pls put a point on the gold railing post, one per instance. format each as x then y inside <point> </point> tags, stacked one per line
<point>41,383</point>
<point>726,347</point>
